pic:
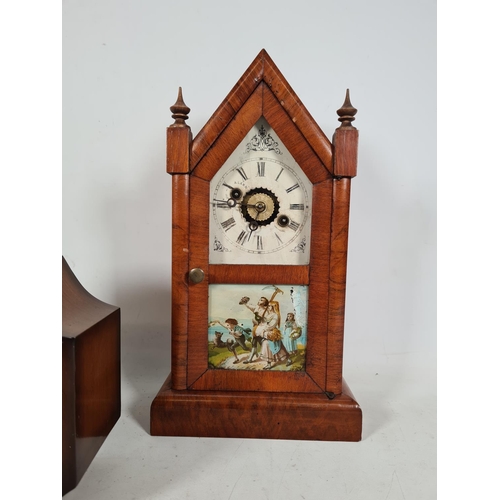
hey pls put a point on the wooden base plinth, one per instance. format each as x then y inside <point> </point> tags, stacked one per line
<point>257,415</point>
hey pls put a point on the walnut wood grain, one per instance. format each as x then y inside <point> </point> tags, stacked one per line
<point>317,331</point>
<point>262,68</point>
<point>200,377</point>
<point>198,292</point>
<point>180,268</point>
<point>256,415</point>
<point>345,141</point>
<point>231,136</point>
<point>293,139</point>
<point>179,139</point>
<point>178,152</point>
<point>227,110</point>
<point>246,380</point>
<point>338,270</point>
<point>254,274</point>
<point>298,113</point>
<point>345,152</point>
<point>90,376</point>
<point>270,404</point>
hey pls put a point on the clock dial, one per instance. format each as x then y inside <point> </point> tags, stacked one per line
<point>260,204</point>
<point>257,213</point>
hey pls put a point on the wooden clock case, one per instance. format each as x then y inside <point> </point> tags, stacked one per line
<point>315,404</point>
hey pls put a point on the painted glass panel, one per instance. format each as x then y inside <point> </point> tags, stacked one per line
<point>257,327</point>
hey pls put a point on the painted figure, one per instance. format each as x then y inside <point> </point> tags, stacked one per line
<point>266,331</point>
<point>291,332</point>
<point>273,350</point>
<point>254,333</point>
<point>259,313</point>
<point>239,334</point>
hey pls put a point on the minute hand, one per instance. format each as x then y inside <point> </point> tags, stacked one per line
<point>246,205</point>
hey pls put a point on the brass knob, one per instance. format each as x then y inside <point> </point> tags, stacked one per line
<point>196,275</point>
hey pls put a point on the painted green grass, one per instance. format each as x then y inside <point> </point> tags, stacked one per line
<point>217,356</point>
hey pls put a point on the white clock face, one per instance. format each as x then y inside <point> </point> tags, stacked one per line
<point>260,204</point>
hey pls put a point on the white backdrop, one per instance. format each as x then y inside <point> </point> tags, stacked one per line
<point>122,65</point>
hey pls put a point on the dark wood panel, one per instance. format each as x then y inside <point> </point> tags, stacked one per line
<point>293,139</point>
<point>283,275</point>
<point>256,415</point>
<point>298,113</point>
<point>345,141</point>
<point>245,380</point>
<point>180,268</point>
<point>97,378</point>
<point>198,292</point>
<point>226,111</point>
<point>178,143</point>
<point>91,383</point>
<point>318,288</point>
<point>230,137</point>
<point>338,267</point>
<point>69,477</point>
<point>346,152</point>
<point>261,69</point>
<point>317,314</point>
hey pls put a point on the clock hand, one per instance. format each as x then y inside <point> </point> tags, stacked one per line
<point>230,203</point>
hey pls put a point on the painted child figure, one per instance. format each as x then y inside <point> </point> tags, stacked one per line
<point>291,332</point>
<point>239,334</point>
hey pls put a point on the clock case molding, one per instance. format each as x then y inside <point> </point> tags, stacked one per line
<point>197,401</point>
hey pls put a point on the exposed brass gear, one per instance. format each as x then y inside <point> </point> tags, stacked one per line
<point>260,206</point>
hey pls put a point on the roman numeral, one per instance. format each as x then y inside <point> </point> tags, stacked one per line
<point>293,225</point>
<point>259,243</point>
<point>228,224</point>
<point>296,206</point>
<point>261,168</point>
<point>278,238</point>
<point>242,173</point>
<point>243,237</point>
<point>278,176</point>
<point>291,188</point>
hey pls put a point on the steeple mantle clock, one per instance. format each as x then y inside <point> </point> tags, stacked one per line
<point>260,214</point>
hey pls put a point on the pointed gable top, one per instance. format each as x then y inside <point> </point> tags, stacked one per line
<point>262,69</point>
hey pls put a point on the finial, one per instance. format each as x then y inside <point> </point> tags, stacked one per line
<point>347,112</point>
<point>180,110</point>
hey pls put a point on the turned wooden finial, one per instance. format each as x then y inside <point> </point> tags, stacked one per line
<point>346,112</point>
<point>179,110</point>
